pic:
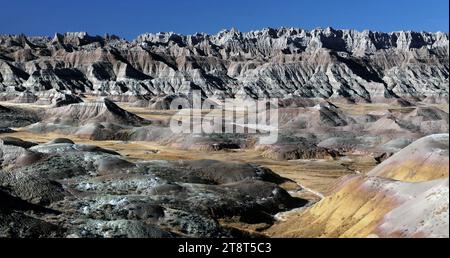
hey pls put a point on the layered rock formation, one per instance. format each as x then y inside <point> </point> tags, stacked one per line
<point>286,62</point>
<point>16,117</point>
<point>405,196</point>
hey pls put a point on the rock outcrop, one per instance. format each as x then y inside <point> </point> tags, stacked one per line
<point>285,63</point>
<point>16,117</point>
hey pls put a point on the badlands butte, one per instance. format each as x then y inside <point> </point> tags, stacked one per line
<point>363,146</point>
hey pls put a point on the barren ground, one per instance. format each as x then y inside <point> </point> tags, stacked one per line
<point>317,175</point>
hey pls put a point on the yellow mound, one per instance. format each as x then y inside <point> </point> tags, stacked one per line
<point>361,206</point>
<point>353,211</point>
<point>425,159</point>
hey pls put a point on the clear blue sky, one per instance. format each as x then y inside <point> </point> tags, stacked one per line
<point>129,18</point>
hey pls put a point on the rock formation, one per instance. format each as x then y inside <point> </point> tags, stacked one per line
<point>95,192</point>
<point>285,62</point>
<point>405,196</point>
<point>16,117</point>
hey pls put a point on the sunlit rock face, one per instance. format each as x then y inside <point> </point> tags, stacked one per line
<point>404,196</point>
<point>286,62</point>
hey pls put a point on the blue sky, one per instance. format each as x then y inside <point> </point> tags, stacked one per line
<point>129,18</point>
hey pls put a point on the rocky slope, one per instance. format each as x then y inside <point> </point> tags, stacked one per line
<point>16,117</point>
<point>380,205</point>
<point>64,189</point>
<point>425,159</point>
<point>286,62</point>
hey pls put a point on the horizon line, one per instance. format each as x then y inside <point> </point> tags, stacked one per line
<point>222,30</point>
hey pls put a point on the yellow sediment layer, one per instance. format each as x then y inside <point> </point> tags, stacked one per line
<point>353,211</point>
<point>415,170</point>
